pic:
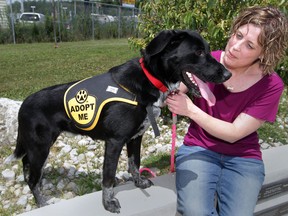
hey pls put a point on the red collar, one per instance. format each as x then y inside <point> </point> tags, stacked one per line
<point>157,83</point>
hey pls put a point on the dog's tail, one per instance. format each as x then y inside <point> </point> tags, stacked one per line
<point>18,153</point>
<point>10,159</point>
<point>13,157</point>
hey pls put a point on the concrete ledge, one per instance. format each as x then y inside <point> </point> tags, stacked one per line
<point>273,197</point>
<point>160,199</point>
<point>277,206</point>
<point>276,160</point>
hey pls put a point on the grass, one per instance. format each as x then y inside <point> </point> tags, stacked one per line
<point>88,183</point>
<point>26,68</point>
<point>161,161</point>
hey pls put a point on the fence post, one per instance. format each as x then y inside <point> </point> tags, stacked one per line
<point>75,8</point>
<point>93,35</point>
<point>12,22</point>
<point>58,20</point>
<point>119,21</point>
<point>54,23</point>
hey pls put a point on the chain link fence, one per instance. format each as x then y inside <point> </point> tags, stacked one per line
<point>68,21</point>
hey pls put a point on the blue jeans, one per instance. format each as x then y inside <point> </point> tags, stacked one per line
<point>202,174</point>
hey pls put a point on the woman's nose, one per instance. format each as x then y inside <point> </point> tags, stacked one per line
<point>237,46</point>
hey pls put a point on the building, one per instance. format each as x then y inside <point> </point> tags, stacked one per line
<point>3,17</point>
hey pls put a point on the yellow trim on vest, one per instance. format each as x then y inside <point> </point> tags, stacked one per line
<point>103,104</point>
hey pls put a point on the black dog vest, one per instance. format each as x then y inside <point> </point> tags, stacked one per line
<point>85,99</point>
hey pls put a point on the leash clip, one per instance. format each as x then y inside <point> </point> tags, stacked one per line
<point>152,120</point>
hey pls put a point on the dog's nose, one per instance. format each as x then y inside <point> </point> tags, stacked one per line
<point>227,74</point>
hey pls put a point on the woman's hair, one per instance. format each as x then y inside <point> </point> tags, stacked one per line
<point>273,36</point>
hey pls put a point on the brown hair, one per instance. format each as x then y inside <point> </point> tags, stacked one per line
<point>274,33</point>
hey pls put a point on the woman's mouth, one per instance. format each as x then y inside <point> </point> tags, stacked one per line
<point>230,55</point>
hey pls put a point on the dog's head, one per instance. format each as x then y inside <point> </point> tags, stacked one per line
<point>184,56</point>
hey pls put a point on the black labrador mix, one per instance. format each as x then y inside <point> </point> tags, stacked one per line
<point>173,56</point>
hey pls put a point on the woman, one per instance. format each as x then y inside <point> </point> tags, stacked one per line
<point>221,152</point>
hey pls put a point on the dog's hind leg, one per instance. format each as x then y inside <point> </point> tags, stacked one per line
<point>33,164</point>
<point>36,134</point>
<point>32,175</point>
<point>36,146</point>
<point>134,151</point>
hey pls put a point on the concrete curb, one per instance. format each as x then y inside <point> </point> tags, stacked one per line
<point>134,201</point>
<point>160,199</point>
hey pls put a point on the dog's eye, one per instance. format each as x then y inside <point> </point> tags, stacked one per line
<point>200,53</point>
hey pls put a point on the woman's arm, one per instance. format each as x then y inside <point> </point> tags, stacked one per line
<point>242,126</point>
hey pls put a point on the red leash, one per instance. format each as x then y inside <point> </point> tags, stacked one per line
<point>147,170</point>
<point>172,159</point>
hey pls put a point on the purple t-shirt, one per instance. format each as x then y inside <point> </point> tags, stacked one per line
<point>260,101</point>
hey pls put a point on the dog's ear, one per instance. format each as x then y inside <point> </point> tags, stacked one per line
<point>159,42</point>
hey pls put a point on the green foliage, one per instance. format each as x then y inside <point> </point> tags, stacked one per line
<point>283,70</point>
<point>161,161</point>
<point>4,35</point>
<point>88,183</point>
<point>211,18</point>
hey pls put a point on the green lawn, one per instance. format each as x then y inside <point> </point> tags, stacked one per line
<point>26,68</point>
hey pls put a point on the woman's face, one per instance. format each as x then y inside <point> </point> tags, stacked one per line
<point>243,49</point>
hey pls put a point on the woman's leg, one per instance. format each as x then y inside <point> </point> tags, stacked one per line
<point>239,186</point>
<point>197,174</point>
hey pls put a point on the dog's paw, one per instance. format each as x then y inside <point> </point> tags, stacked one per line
<point>42,201</point>
<point>143,182</point>
<point>112,205</point>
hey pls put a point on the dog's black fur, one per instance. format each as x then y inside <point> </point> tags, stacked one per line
<point>42,116</point>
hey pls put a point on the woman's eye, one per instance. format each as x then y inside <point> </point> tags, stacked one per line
<point>239,36</point>
<point>250,46</point>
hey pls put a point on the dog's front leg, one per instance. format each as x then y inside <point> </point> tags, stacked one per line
<point>112,152</point>
<point>134,151</point>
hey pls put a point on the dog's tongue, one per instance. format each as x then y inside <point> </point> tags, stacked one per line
<point>205,91</point>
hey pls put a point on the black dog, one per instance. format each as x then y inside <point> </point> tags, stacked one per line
<point>165,63</point>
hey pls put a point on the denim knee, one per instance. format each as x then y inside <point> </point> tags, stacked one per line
<point>186,209</point>
<point>195,186</point>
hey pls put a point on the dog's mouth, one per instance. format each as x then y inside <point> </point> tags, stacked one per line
<point>198,87</point>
